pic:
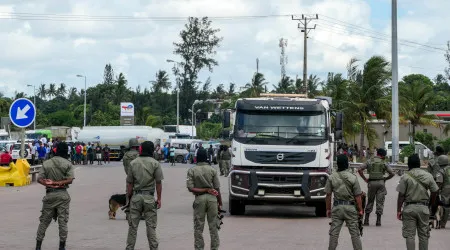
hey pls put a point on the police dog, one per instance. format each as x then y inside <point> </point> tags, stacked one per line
<point>116,201</point>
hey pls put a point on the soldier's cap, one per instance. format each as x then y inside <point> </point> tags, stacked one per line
<point>442,160</point>
<point>147,148</point>
<point>439,150</point>
<point>413,161</point>
<point>133,142</point>
<point>381,152</point>
<point>342,161</point>
<point>202,155</point>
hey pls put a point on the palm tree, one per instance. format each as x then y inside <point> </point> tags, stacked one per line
<point>415,99</point>
<point>285,86</point>
<point>42,91</point>
<point>162,82</point>
<point>231,89</point>
<point>18,95</point>
<point>72,93</point>
<point>336,87</point>
<point>368,93</point>
<point>447,129</point>
<point>61,91</point>
<point>313,83</point>
<point>257,86</point>
<point>51,92</point>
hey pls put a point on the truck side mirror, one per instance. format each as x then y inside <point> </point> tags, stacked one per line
<point>226,119</point>
<point>339,126</point>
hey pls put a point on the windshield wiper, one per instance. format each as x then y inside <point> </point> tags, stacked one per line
<point>301,134</point>
<point>261,136</point>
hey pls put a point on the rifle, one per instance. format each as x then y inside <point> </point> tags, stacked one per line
<point>220,217</point>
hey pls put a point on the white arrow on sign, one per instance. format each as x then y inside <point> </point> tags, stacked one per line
<point>21,113</point>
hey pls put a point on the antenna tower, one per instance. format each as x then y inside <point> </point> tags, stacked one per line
<point>283,57</point>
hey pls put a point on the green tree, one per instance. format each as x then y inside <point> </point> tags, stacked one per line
<point>209,130</point>
<point>42,91</point>
<point>285,86</point>
<point>108,74</point>
<point>62,90</point>
<point>154,121</point>
<point>313,85</point>
<point>197,47</point>
<point>161,82</point>
<point>256,86</point>
<point>415,98</point>
<point>426,138</point>
<point>51,92</point>
<point>368,91</point>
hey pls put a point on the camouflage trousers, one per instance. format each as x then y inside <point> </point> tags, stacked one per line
<point>376,192</point>
<point>142,206</point>
<point>55,206</point>
<point>224,166</point>
<point>205,206</point>
<point>339,214</point>
<point>416,218</point>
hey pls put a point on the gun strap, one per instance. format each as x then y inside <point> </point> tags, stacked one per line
<point>416,180</point>
<point>347,184</point>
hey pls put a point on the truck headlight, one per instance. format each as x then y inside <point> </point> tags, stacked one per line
<point>240,180</point>
<point>317,182</point>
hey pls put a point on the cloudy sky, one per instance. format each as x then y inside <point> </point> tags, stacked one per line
<point>70,38</point>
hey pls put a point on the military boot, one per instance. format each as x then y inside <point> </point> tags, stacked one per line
<point>378,220</point>
<point>62,245</point>
<point>38,244</point>
<point>366,220</point>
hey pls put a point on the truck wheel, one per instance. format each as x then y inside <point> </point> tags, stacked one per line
<point>236,207</point>
<point>321,210</point>
<point>180,159</point>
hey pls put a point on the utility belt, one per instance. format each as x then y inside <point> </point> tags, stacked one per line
<point>144,192</point>
<point>416,203</point>
<point>376,179</point>
<point>51,190</point>
<point>342,202</point>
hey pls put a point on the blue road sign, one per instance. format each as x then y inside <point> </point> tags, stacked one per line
<point>22,112</point>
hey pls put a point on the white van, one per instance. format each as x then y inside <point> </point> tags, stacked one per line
<point>420,148</point>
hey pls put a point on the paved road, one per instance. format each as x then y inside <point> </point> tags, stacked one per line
<point>268,227</point>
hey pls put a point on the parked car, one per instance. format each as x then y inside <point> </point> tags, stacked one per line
<point>15,152</point>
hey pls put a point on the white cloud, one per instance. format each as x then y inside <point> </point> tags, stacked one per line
<point>54,51</point>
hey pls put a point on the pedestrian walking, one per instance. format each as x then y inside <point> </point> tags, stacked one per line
<point>144,174</point>
<point>443,181</point>
<point>128,157</point>
<point>413,194</point>
<point>347,205</point>
<point>172,155</point>
<point>106,151</point>
<point>203,182</point>
<point>55,174</point>
<point>226,158</point>
<point>84,153</point>
<point>376,168</point>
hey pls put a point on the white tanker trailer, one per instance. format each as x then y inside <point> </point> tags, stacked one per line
<point>117,137</point>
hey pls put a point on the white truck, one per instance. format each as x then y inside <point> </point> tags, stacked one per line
<point>117,137</point>
<point>282,151</point>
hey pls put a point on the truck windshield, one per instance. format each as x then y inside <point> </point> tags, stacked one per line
<point>283,127</point>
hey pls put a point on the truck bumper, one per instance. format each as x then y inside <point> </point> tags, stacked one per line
<point>284,187</point>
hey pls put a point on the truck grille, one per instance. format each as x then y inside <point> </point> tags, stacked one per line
<point>267,157</point>
<point>279,179</point>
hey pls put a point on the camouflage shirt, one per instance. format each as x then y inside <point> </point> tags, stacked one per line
<point>128,158</point>
<point>202,176</point>
<point>414,191</point>
<point>344,185</point>
<point>57,169</point>
<point>143,173</point>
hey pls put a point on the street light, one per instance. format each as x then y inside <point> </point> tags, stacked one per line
<point>85,90</point>
<point>192,121</point>
<point>34,101</point>
<point>195,115</point>
<point>178,100</point>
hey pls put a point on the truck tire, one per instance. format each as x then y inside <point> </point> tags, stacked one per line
<point>321,210</point>
<point>236,207</point>
<point>179,159</point>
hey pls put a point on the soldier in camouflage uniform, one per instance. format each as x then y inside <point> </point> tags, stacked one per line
<point>226,158</point>
<point>143,174</point>
<point>347,205</point>
<point>433,167</point>
<point>203,182</point>
<point>128,157</point>
<point>376,168</point>
<point>443,181</point>
<point>55,174</point>
<point>413,194</point>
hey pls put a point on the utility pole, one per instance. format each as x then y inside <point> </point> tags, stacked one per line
<point>257,65</point>
<point>395,115</point>
<point>303,25</point>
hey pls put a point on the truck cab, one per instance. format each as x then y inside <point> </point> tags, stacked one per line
<point>282,151</point>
